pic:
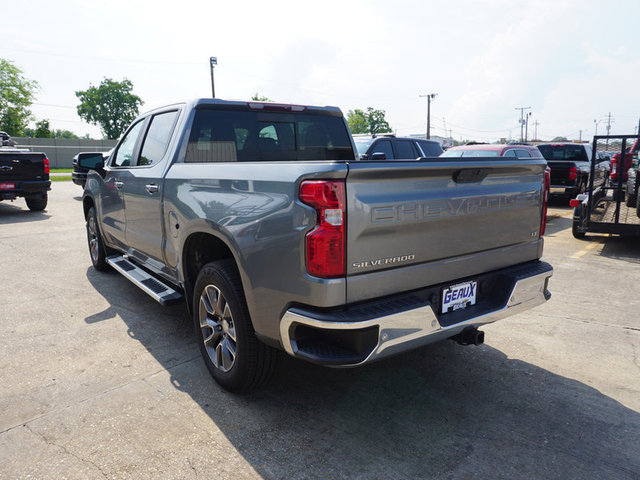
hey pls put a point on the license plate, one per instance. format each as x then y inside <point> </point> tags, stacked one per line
<point>459,296</point>
<point>7,186</point>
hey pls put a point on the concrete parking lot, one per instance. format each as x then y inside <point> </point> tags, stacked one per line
<point>99,381</point>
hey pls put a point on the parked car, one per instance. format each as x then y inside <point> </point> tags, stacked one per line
<point>23,174</point>
<point>262,217</point>
<point>79,174</point>
<point>623,160</point>
<point>493,150</point>
<point>389,147</point>
<point>633,183</point>
<point>570,165</point>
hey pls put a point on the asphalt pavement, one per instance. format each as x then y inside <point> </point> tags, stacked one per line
<point>99,381</point>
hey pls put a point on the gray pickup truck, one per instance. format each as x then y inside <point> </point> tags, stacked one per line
<point>262,217</point>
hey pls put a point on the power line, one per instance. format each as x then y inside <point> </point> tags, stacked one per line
<point>102,59</point>
<point>52,105</point>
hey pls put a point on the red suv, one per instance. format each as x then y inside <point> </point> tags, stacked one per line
<point>626,162</point>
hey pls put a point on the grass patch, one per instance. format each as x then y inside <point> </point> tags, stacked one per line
<point>60,179</point>
<point>61,170</point>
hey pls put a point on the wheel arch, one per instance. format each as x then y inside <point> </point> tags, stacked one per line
<point>200,248</point>
<point>87,203</point>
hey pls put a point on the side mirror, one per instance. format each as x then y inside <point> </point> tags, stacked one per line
<point>92,161</point>
<point>378,156</point>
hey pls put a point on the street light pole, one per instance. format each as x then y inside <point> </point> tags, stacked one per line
<point>430,96</point>
<point>213,61</point>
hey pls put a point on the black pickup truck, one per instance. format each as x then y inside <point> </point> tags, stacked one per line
<point>23,174</point>
<point>570,165</point>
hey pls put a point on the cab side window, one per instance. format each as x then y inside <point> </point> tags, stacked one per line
<point>509,153</point>
<point>124,155</point>
<point>406,151</point>
<point>383,146</point>
<point>157,138</point>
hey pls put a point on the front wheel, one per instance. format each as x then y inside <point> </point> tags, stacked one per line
<point>97,250</point>
<point>236,359</point>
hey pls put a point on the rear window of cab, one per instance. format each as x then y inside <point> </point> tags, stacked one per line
<point>219,135</point>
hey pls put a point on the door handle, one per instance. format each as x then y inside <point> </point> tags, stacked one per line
<point>151,188</point>
<point>118,184</point>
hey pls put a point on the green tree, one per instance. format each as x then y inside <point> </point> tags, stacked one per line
<point>64,134</point>
<point>258,98</point>
<point>559,139</point>
<point>372,121</point>
<point>16,96</point>
<point>43,129</point>
<point>357,121</point>
<point>111,105</point>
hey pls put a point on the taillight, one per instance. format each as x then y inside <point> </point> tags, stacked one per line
<point>325,244</point>
<point>614,166</point>
<point>46,166</point>
<point>573,173</point>
<point>545,200</point>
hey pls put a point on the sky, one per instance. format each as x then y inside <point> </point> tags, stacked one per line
<point>573,62</point>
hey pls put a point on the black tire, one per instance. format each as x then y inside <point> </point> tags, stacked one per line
<point>38,203</point>
<point>97,250</point>
<point>577,223</point>
<point>638,205</point>
<point>630,200</point>
<point>236,359</point>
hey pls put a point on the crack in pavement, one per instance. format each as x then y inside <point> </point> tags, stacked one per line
<point>101,394</point>
<point>65,450</point>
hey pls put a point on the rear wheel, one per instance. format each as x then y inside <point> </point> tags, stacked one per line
<point>638,205</point>
<point>37,203</point>
<point>234,356</point>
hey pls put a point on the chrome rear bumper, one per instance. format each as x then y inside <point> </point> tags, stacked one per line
<point>408,329</point>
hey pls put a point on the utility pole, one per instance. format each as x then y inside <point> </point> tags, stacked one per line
<point>535,130</point>
<point>430,96</point>
<point>580,137</point>
<point>608,129</point>
<point>526,126</point>
<point>213,61</point>
<point>522,109</point>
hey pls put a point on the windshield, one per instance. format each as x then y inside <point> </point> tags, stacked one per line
<point>470,153</point>
<point>363,145</point>
<point>564,152</point>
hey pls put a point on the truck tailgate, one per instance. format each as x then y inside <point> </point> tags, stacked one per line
<point>21,166</point>
<point>412,224</point>
<point>560,173</point>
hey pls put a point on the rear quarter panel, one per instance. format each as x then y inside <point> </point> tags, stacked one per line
<point>253,208</point>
